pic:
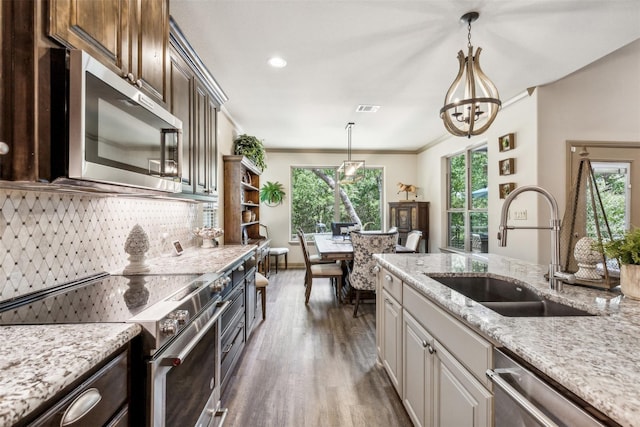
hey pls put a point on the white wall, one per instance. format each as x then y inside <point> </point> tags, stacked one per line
<point>397,168</point>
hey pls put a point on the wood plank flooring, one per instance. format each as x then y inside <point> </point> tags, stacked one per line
<point>311,365</point>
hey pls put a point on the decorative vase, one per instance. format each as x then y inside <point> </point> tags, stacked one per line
<point>136,245</point>
<point>246,216</point>
<point>587,258</point>
<point>208,243</point>
<point>630,280</point>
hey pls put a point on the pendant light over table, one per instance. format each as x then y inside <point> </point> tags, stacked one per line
<point>350,171</point>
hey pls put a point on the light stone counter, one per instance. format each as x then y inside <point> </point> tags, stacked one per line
<point>595,357</point>
<point>197,260</point>
<point>39,361</point>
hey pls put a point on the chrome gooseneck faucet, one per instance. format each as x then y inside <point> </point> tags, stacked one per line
<point>554,226</point>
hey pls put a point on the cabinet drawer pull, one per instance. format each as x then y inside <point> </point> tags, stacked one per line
<point>388,278</point>
<point>81,406</point>
<point>227,349</point>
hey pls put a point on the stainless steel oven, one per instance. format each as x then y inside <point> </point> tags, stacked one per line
<point>185,376</point>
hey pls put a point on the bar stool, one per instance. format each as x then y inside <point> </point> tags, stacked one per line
<point>277,253</point>
<point>261,286</point>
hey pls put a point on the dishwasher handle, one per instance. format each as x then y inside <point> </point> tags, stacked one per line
<point>523,402</point>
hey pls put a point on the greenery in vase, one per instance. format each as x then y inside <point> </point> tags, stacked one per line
<point>625,249</point>
<point>272,193</point>
<point>252,148</point>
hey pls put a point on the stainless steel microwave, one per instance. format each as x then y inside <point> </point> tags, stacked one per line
<point>115,133</point>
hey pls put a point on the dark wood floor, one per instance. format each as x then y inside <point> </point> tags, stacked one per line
<point>311,365</point>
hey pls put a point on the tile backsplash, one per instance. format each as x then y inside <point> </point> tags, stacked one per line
<point>49,238</point>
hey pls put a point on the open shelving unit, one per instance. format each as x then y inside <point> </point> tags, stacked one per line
<point>241,201</point>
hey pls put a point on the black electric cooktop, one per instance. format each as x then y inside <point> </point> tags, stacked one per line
<point>99,299</point>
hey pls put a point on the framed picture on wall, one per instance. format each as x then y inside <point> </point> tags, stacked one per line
<point>507,166</point>
<point>506,189</point>
<point>507,142</point>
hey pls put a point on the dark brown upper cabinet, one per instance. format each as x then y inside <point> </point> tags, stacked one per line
<point>195,98</point>
<point>129,36</point>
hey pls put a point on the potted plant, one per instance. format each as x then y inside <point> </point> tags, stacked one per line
<point>252,148</point>
<point>627,251</point>
<point>272,193</point>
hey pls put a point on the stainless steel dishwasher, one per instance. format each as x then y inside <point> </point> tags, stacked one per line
<point>522,399</point>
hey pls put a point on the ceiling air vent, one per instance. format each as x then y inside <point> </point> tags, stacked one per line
<point>367,108</point>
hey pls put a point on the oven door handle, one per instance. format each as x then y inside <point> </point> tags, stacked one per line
<point>523,402</point>
<point>177,360</point>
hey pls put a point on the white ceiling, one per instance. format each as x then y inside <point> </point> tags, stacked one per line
<point>398,54</point>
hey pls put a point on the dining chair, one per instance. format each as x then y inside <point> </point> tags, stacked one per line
<point>318,271</point>
<point>413,240</point>
<point>362,275</point>
<point>315,258</point>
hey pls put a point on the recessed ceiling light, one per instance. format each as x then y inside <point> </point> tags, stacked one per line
<point>277,62</point>
<point>367,108</point>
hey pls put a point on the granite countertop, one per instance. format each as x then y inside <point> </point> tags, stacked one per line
<point>39,361</point>
<point>595,357</point>
<point>197,260</point>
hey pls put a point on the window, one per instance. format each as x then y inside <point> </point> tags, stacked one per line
<point>467,197</point>
<point>614,183</point>
<point>316,200</point>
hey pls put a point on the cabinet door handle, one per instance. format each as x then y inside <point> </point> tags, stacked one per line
<point>431,349</point>
<point>425,344</point>
<point>388,278</point>
<point>81,406</point>
<point>376,269</point>
<point>4,148</point>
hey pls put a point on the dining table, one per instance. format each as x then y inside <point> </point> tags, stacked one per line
<point>333,248</point>
<point>339,248</point>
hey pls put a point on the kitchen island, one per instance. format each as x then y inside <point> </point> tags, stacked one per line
<point>595,357</point>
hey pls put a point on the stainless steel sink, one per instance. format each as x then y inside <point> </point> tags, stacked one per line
<point>507,298</point>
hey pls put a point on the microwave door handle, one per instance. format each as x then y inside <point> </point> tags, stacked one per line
<point>163,153</point>
<point>519,399</point>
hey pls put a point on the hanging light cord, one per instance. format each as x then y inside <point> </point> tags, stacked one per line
<point>349,126</point>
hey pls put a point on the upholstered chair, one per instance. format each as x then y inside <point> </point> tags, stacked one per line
<point>362,275</point>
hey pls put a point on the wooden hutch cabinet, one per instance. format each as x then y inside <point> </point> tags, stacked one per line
<point>241,201</point>
<point>407,216</point>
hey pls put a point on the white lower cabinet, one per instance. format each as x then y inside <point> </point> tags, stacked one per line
<point>392,339</point>
<point>417,374</point>
<point>458,398</point>
<point>435,362</point>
